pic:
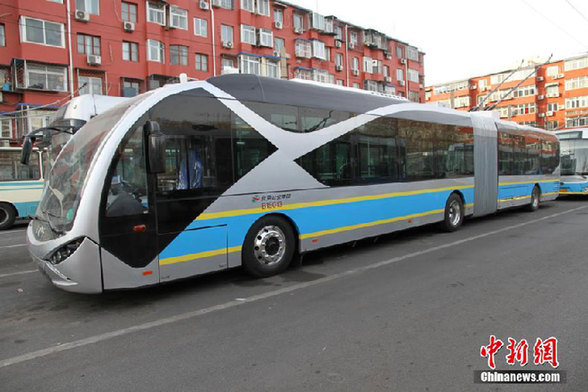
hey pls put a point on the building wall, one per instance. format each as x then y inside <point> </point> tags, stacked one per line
<point>25,105</point>
<point>552,98</point>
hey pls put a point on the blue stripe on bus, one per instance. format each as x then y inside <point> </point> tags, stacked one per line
<point>26,208</point>
<point>18,183</point>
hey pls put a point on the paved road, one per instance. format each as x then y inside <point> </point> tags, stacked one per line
<point>408,313</point>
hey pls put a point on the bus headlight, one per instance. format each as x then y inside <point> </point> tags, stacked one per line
<point>65,251</point>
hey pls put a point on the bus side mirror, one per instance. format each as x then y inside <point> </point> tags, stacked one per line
<point>27,148</point>
<point>155,147</point>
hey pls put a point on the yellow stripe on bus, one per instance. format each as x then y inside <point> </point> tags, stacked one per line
<point>526,182</point>
<point>320,203</point>
<point>201,255</point>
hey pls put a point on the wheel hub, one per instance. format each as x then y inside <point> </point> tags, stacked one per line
<point>454,213</point>
<point>270,245</point>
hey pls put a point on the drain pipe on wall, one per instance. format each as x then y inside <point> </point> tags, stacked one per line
<point>213,40</point>
<point>69,53</point>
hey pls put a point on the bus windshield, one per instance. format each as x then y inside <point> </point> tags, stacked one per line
<point>574,157</point>
<point>61,197</point>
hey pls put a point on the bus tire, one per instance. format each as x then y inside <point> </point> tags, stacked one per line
<point>454,213</point>
<point>269,247</point>
<point>7,216</point>
<point>535,199</point>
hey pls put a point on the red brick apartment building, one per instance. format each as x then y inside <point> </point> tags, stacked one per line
<point>52,50</point>
<point>555,97</point>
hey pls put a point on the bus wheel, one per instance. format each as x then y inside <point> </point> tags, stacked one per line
<point>454,213</point>
<point>7,216</point>
<point>269,247</point>
<point>535,199</point>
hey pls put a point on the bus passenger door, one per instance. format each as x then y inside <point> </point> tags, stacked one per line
<point>195,176</point>
<point>128,239</point>
<point>485,164</point>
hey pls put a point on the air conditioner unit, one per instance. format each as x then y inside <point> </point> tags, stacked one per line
<point>402,61</point>
<point>339,68</point>
<point>388,56</point>
<point>553,95</point>
<point>216,3</point>
<point>337,44</point>
<point>351,45</point>
<point>129,26</point>
<point>278,24</point>
<point>374,63</point>
<point>388,79</point>
<point>540,78</point>
<point>549,114</point>
<point>204,5</point>
<point>298,30</point>
<point>473,87</point>
<point>228,44</point>
<point>558,76</point>
<point>82,16</point>
<point>401,82</point>
<point>540,97</point>
<point>541,114</point>
<point>94,59</point>
<point>355,72</point>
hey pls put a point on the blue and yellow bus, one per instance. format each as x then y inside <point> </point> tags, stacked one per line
<point>574,161</point>
<point>246,171</point>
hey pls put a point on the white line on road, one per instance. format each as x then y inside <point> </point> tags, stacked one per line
<point>231,304</point>
<point>17,273</point>
<point>12,246</point>
<point>23,230</point>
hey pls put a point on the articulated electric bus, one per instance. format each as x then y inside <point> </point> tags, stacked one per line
<point>241,170</point>
<point>574,161</point>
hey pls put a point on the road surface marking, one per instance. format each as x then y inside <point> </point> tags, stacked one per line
<point>18,273</point>
<point>12,246</point>
<point>254,298</point>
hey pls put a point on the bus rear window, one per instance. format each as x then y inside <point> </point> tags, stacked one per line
<point>12,170</point>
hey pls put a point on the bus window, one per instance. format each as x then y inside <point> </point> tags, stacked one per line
<point>533,145</point>
<point>250,148</point>
<point>12,170</point>
<point>378,152</point>
<point>505,154</point>
<point>520,155</point>
<point>419,138</point>
<point>332,164</point>
<point>128,188</point>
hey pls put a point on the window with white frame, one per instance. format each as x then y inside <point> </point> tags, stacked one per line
<point>304,74</point>
<point>552,71</point>
<point>303,49</point>
<point>178,18</point>
<point>90,85</point>
<point>319,50</point>
<point>338,33</point>
<point>226,4</point>
<point>355,85</point>
<point>280,46</point>
<point>390,90</point>
<point>353,38</point>
<point>414,96</point>
<point>318,21</point>
<point>130,87</point>
<point>577,102</point>
<point>45,77</point>
<point>156,13</point>
<point>413,75</point>
<point>5,127</point>
<point>128,12</point>
<point>460,102</point>
<point>482,84</point>
<point>552,91</point>
<point>554,107</point>
<point>279,16</point>
<point>329,26</point>
<point>266,38</point>
<point>155,51</point>
<point>368,64</point>
<point>298,22</point>
<point>130,51</point>
<point>399,74</point>
<point>178,55</point>
<point>524,108</point>
<point>412,53</point>
<point>386,71</point>
<point>498,78</point>
<point>248,5</point>
<point>323,76</point>
<point>200,27</point>
<point>2,35</point>
<point>576,83</point>
<point>39,118</point>
<point>339,60</point>
<point>249,65</point>
<point>88,44</point>
<point>552,125</point>
<point>263,7</point>
<point>372,85</point>
<point>90,6</point>
<point>339,82</point>
<point>272,69</point>
<point>201,62</point>
<point>43,32</point>
<point>248,34</point>
<point>399,52</point>
<point>355,64</point>
<point>227,34</point>
<point>571,65</point>
<point>575,122</point>
<point>227,63</point>
<point>525,91</point>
